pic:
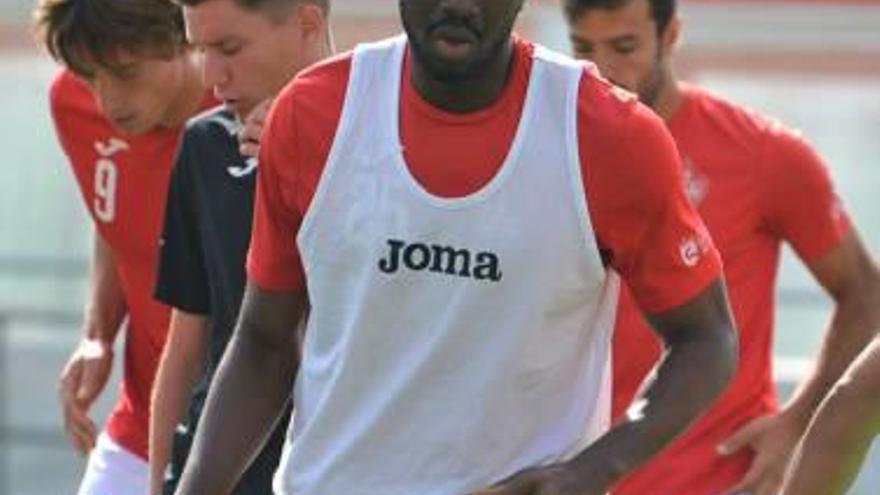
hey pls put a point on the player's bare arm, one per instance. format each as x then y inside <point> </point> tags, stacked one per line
<point>249,391</point>
<point>852,279</point>
<point>699,335</point>
<point>86,373</point>
<point>840,434</point>
<point>179,367</point>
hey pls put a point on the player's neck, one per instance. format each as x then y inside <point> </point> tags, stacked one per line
<point>463,97</point>
<point>315,52</point>
<point>188,101</point>
<point>669,99</point>
<point>328,45</point>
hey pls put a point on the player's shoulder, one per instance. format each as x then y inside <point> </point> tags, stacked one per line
<point>716,111</point>
<point>308,109</point>
<point>214,123</point>
<point>66,86</point>
<point>611,120</point>
<point>70,94</point>
<point>332,70</point>
<point>623,143</point>
<point>210,139</point>
<point>78,120</point>
<point>604,107</point>
<point>323,82</point>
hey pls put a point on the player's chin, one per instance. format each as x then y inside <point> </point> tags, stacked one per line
<point>134,124</point>
<point>454,69</point>
<point>240,107</point>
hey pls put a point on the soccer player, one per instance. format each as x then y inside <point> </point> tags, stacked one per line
<point>841,433</point>
<point>449,207</point>
<point>756,185</point>
<point>250,49</point>
<point>129,85</point>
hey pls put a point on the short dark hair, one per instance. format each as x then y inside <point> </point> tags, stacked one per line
<point>661,10</point>
<point>83,34</point>
<point>262,4</point>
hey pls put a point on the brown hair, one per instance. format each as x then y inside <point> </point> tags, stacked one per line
<point>662,11</point>
<point>270,5</point>
<point>83,34</point>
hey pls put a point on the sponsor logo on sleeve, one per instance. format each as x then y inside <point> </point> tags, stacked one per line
<point>692,249</point>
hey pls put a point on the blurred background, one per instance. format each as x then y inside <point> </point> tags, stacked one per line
<point>813,63</point>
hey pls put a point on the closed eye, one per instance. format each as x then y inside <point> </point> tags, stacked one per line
<point>230,49</point>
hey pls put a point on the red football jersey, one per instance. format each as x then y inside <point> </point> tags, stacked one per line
<point>124,181</point>
<point>756,185</point>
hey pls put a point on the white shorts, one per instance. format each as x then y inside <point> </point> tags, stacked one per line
<point>113,470</point>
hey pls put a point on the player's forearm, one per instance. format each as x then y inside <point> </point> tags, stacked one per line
<point>856,316</point>
<point>169,402</point>
<point>830,457</point>
<point>180,365</point>
<point>841,433</point>
<point>693,374</point>
<point>106,308</point>
<point>247,395</point>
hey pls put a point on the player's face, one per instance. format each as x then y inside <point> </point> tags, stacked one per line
<point>140,93</point>
<point>455,39</point>
<point>625,45</point>
<point>249,55</point>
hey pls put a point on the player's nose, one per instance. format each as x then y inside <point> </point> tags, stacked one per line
<point>214,69</point>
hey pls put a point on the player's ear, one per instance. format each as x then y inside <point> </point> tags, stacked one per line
<point>312,21</point>
<point>671,36</point>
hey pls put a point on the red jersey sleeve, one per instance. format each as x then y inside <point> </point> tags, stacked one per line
<point>800,202</point>
<point>644,223</point>
<point>273,260</point>
<point>296,142</point>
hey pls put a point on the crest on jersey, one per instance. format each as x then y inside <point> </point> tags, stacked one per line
<point>696,183</point>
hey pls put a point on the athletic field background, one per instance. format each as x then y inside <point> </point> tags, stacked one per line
<point>813,63</point>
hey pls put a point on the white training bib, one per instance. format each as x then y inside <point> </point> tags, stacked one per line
<point>451,342</point>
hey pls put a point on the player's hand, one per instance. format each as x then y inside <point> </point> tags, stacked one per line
<point>82,380</point>
<point>249,136</point>
<point>772,439</point>
<point>559,479</point>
